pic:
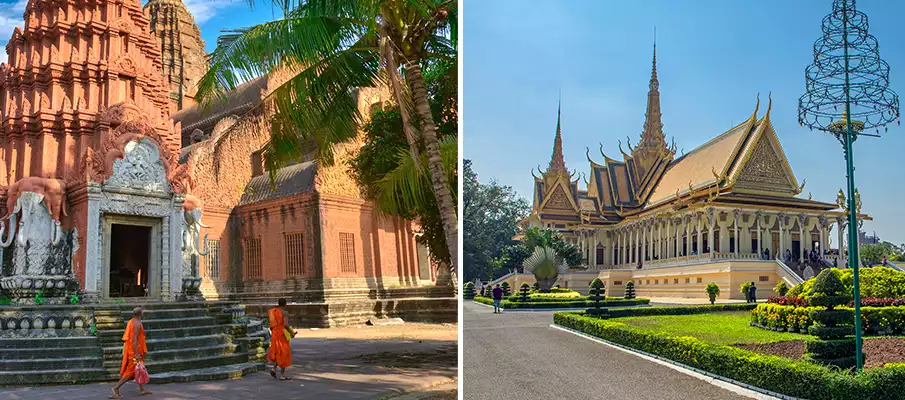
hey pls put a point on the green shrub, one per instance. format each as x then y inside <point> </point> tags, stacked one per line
<point>789,377</point>
<point>677,310</point>
<point>468,292</point>
<point>39,298</point>
<point>630,290</point>
<point>506,289</point>
<point>744,289</point>
<point>782,288</point>
<point>880,282</point>
<point>535,287</point>
<point>523,292</point>
<point>597,294</point>
<point>5,301</point>
<point>713,290</point>
<point>831,324</point>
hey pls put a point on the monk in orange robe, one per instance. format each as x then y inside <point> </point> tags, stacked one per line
<point>134,350</point>
<point>279,352</point>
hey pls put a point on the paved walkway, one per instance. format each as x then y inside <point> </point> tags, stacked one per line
<point>516,355</point>
<point>344,368</point>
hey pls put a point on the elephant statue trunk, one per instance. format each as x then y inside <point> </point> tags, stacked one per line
<point>12,231</point>
<point>207,249</point>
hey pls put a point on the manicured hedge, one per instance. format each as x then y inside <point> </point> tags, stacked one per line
<point>874,320</point>
<point>778,374</point>
<point>618,302</point>
<point>679,310</point>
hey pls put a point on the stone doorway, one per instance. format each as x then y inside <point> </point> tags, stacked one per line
<point>131,258</point>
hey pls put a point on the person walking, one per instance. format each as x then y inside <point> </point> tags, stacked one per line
<point>497,299</point>
<point>752,293</point>
<point>134,351</point>
<point>280,351</point>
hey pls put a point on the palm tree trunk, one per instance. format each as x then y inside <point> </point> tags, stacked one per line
<point>435,165</point>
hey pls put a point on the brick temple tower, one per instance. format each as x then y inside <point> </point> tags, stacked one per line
<point>74,61</point>
<point>184,60</point>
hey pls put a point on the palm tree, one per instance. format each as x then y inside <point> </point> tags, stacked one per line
<point>332,48</point>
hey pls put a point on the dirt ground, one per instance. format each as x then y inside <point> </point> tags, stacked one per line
<point>878,351</point>
<point>405,331</point>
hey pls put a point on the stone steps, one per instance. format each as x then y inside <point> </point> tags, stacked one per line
<point>154,314</point>
<point>182,364</point>
<point>50,376</point>
<point>44,364</point>
<point>116,335</point>
<point>208,374</point>
<point>40,343</point>
<point>115,353</point>
<point>164,323</point>
<point>48,352</point>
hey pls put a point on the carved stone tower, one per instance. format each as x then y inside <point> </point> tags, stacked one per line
<point>184,60</point>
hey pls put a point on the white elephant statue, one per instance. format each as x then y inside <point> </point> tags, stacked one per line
<point>191,235</point>
<point>37,233</point>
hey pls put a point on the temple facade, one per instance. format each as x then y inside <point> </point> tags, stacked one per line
<point>728,211</point>
<point>117,185</point>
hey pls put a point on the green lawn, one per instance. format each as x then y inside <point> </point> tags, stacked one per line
<point>725,328</point>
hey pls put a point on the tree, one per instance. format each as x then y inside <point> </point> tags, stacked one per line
<point>490,212</point>
<point>332,48</point>
<point>713,290</point>
<point>382,164</point>
<point>545,265</point>
<point>874,253</point>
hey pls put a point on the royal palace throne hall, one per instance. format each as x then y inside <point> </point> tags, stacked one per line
<point>728,211</point>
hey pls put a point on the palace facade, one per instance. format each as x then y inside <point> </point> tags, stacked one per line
<point>725,211</point>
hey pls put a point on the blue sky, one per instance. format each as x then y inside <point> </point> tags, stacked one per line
<point>212,16</point>
<point>713,57</point>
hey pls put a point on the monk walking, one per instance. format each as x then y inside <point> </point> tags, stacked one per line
<point>134,351</point>
<point>279,352</point>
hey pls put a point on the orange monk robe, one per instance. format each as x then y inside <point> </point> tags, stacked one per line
<point>279,352</point>
<point>128,368</point>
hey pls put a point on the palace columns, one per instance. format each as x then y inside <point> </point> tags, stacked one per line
<point>711,222</point>
<point>700,227</point>
<point>802,223</point>
<point>781,224</point>
<point>669,242</point>
<point>687,234</point>
<point>840,228</point>
<point>650,242</point>
<point>593,249</point>
<point>736,241</point>
<point>760,236</point>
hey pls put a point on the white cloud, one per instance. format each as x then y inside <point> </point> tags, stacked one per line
<point>10,17</point>
<point>204,10</point>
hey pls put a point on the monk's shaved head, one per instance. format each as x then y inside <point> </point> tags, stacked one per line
<point>137,312</point>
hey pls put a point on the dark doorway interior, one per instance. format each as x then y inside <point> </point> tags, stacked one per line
<point>130,247</point>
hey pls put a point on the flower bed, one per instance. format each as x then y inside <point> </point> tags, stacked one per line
<point>615,302</point>
<point>874,320</point>
<point>781,375</point>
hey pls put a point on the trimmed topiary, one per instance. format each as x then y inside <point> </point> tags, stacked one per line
<point>506,289</point>
<point>597,294</point>
<point>630,290</point>
<point>535,287</point>
<point>713,290</point>
<point>523,292</point>
<point>468,292</point>
<point>556,286</point>
<point>834,345</point>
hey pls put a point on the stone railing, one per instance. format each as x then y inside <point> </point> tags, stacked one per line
<point>690,259</point>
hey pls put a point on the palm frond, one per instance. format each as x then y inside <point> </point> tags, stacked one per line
<point>408,187</point>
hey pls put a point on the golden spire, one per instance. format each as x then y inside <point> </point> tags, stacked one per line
<point>557,161</point>
<point>653,136</point>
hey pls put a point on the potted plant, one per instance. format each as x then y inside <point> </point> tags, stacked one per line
<point>782,288</point>
<point>713,290</point>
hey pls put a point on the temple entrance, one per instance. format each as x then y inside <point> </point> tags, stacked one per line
<point>130,258</point>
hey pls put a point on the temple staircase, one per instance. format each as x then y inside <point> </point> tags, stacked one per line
<point>186,341</point>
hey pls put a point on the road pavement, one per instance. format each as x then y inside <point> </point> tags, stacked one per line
<point>517,355</point>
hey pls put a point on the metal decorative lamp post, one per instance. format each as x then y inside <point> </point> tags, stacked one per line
<point>848,78</point>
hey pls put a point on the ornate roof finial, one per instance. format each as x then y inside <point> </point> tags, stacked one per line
<point>557,162</point>
<point>652,136</point>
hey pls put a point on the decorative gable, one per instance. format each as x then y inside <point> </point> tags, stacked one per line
<point>765,169</point>
<point>559,200</point>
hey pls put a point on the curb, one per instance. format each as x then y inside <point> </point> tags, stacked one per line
<point>558,309</point>
<point>731,385</point>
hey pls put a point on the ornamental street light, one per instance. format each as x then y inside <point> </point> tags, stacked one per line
<point>848,77</point>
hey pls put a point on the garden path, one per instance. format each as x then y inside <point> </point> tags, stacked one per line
<point>516,355</point>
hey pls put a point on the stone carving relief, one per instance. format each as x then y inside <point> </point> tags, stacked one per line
<point>126,66</point>
<point>764,170</point>
<point>141,168</point>
<point>559,200</point>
